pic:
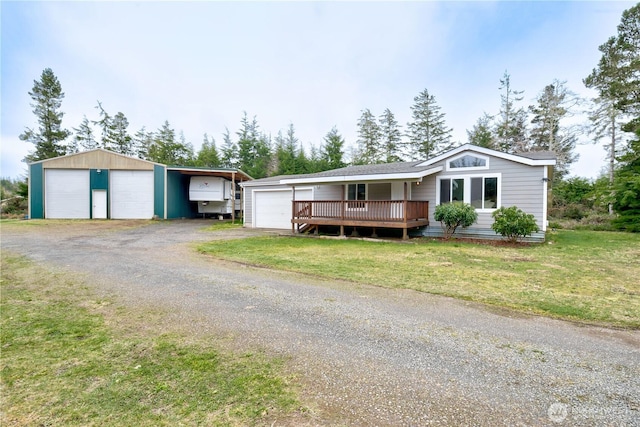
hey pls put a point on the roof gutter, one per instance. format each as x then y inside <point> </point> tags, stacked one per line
<point>407,176</point>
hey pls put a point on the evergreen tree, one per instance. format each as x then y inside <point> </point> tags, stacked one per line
<point>287,153</point>
<point>369,149</point>
<point>104,123</point>
<point>511,129</point>
<point>252,147</point>
<point>141,143</point>
<point>626,188</point>
<point>262,159</point>
<point>315,162</point>
<point>606,123</point>
<point>332,152</point>
<point>482,134</point>
<point>208,154</point>
<point>617,79</point>
<point>83,137</point>
<point>121,140</point>
<point>617,76</point>
<point>390,137</point>
<point>229,151</point>
<point>428,133</point>
<point>48,139</point>
<point>166,149</point>
<point>547,133</point>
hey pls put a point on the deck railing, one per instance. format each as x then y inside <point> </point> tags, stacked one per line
<point>360,210</point>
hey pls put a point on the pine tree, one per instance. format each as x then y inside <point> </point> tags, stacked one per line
<point>482,134</point>
<point>104,123</point>
<point>617,80</point>
<point>83,137</point>
<point>547,133</point>
<point>141,143</point>
<point>48,139</point>
<point>369,149</point>
<point>332,152</point>
<point>229,151</point>
<point>254,149</point>
<point>121,140</point>
<point>208,154</point>
<point>287,153</point>
<point>617,76</point>
<point>428,133</point>
<point>606,123</point>
<point>390,137</point>
<point>511,129</point>
<point>166,149</point>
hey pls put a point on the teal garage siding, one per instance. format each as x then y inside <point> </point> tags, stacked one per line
<point>178,204</point>
<point>36,191</point>
<point>158,191</point>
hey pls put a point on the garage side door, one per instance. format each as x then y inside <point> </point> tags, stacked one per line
<point>131,194</point>
<point>273,208</point>
<point>66,193</point>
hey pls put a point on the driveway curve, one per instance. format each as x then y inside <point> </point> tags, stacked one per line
<point>365,355</point>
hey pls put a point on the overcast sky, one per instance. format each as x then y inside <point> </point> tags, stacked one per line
<point>200,65</point>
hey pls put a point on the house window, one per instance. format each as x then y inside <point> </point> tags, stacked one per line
<point>482,192</point>
<point>356,192</point>
<point>468,162</point>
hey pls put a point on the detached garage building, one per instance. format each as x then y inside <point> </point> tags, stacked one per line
<point>101,184</point>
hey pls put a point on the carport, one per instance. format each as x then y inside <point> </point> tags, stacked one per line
<point>101,184</point>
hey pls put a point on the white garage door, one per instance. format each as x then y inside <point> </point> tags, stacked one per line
<point>273,208</point>
<point>66,193</point>
<point>131,194</point>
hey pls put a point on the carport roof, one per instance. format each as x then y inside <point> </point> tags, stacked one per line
<point>227,173</point>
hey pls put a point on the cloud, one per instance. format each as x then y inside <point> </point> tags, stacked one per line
<point>199,65</point>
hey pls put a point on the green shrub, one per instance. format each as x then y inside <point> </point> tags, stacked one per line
<point>513,223</point>
<point>454,215</point>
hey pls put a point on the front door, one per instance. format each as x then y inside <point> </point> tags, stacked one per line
<point>99,208</point>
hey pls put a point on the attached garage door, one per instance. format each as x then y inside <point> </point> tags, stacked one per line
<point>66,193</point>
<point>273,208</point>
<point>131,194</point>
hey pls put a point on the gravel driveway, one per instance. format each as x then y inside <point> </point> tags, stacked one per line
<point>365,355</point>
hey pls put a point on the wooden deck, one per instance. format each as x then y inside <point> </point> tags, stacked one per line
<point>402,214</point>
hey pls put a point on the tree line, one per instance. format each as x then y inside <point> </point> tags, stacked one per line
<point>380,139</point>
<point>614,119</point>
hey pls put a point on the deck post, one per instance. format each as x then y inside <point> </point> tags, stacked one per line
<point>404,213</point>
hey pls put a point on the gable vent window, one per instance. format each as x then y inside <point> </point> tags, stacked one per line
<point>468,162</point>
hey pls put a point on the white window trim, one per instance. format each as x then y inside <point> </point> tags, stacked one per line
<point>467,188</point>
<point>366,196</point>
<point>472,168</point>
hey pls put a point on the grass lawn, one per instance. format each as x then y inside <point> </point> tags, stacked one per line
<point>71,359</point>
<point>577,275</point>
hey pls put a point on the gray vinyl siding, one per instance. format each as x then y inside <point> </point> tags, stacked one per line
<point>520,185</point>
<point>327,192</point>
<point>379,191</point>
